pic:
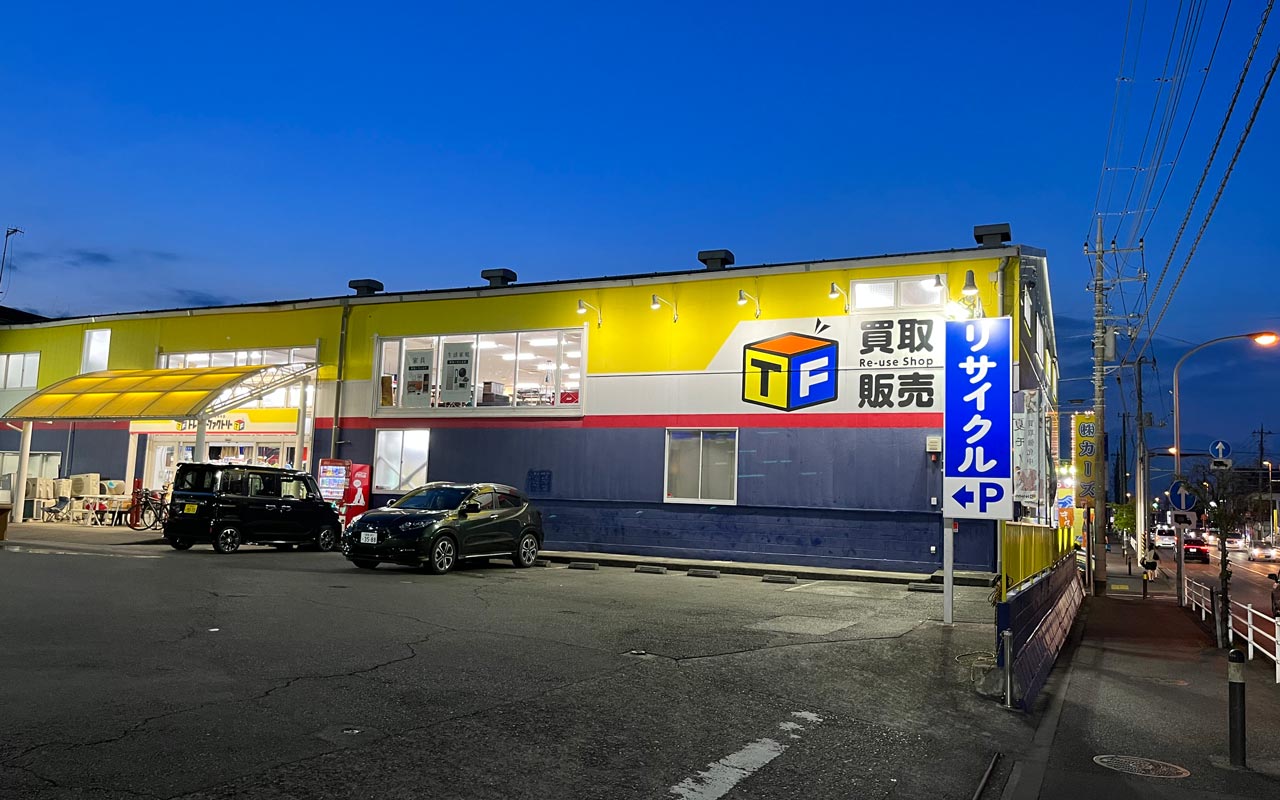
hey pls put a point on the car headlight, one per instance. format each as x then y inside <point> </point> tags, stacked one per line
<point>353,521</point>
<point>416,524</point>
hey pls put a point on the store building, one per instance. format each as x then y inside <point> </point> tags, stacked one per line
<point>776,412</point>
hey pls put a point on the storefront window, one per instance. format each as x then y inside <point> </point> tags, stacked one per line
<point>702,466</point>
<point>527,369</point>
<point>915,292</point>
<point>400,460</point>
<point>873,294</point>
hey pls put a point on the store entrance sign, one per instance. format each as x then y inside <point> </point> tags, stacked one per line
<point>977,477</point>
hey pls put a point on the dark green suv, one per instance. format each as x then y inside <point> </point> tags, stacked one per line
<point>230,505</point>
<point>437,525</point>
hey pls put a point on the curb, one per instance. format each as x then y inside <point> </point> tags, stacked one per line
<point>746,568</point>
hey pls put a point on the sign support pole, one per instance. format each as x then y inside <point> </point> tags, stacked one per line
<point>201,452</point>
<point>948,570</point>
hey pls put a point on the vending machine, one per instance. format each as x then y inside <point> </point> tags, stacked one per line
<point>346,485</point>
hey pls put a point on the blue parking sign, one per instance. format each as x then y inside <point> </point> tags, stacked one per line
<point>977,474</point>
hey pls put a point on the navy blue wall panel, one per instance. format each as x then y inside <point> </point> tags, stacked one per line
<point>851,498</point>
<point>92,450</point>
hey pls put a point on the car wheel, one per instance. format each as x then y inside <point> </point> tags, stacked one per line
<point>345,546</point>
<point>444,555</point>
<point>227,540</point>
<point>177,544</point>
<point>326,540</point>
<point>526,551</point>
<point>364,564</point>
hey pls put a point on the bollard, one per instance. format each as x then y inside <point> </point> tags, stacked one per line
<point>1006,638</point>
<point>1235,706</point>
<point>1144,586</point>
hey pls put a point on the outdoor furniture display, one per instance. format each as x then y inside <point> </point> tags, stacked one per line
<point>60,511</point>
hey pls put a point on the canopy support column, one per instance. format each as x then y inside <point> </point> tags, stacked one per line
<point>299,462</point>
<point>24,461</point>
<point>201,453</point>
<point>131,462</point>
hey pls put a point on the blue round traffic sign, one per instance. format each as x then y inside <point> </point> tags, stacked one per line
<point>1220,449</point>
<point>1180,497</point>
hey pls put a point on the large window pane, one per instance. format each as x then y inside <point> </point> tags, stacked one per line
<point>914,292</point>
<point>223,359</point>
<point>457,379</point>
<point>497,368</point>
<point>570,368</point>
<point>97,347</point>
<point>3,372</point>
<point>536,368</point>
<point>275,356</point>
<point>873,294</point>
<point>683,463</point>
<point>13,372</point>
<point>390,377</point>
<point>413,461</point>
<point>30,370</point>
<point>197,359</point>
<point>719,465</point>
<point>386,463</point>
<point>303,355</point>
<point>419,386</point>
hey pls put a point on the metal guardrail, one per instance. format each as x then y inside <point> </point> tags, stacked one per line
<point>1204,598</point>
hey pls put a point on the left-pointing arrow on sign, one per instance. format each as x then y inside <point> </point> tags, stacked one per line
<point>963,496</point>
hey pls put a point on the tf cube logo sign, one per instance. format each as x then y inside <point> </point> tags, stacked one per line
<point>790,371</point>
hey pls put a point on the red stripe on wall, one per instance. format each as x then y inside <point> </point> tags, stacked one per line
<point>892,420</point>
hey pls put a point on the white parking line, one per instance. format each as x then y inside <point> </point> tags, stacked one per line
<point>803,585</point>
<point>719,778</point>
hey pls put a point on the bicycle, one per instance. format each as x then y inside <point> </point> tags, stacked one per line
<point>149,511</point>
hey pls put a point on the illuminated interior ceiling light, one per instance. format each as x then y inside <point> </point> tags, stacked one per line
<point>548,341</point>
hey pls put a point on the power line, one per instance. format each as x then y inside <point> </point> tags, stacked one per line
<point>1204,175</point>
<point>1222,185</point>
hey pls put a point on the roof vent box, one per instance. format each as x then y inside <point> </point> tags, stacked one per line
<point>716,259</point>
<point>365,287</point>
<point>992,235</point>
<point>499,277</point>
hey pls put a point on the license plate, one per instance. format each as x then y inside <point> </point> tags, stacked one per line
<point>369,537</point>
<point>189,508</point>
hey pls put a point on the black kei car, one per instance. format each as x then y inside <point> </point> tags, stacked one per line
<point>436,525</point>
<point>229,505</point>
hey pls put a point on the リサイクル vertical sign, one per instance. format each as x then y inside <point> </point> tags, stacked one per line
<point>977,474</point>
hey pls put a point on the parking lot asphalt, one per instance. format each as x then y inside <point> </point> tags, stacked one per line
<point>138,671</point>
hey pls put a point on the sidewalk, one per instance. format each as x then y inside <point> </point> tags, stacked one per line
<point>1144,680</point>
<point>61,533</point>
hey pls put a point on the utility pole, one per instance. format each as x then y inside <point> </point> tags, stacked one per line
<point>1140,480</point>
<point>1262,433</point>
<point>1100,515</point>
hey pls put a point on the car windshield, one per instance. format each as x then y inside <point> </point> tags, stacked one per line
<point>433,498</point>
<point>195,479</point>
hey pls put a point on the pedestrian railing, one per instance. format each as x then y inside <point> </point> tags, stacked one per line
<point>1260,631</point>
<point>1028,551</point>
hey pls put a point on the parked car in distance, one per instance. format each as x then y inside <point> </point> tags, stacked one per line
<point>436,525</point>
<point>1263,552</point>
<point>1195,550</point>
<point>1165,538</point>
<point>228,505</point>
<point>1236,541</point>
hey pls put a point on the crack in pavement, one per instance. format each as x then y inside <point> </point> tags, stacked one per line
<point>785,645</point>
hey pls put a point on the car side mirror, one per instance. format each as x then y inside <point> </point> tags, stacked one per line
<point>470,507</point>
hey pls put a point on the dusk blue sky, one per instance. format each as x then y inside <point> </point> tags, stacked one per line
<point>157,155</point>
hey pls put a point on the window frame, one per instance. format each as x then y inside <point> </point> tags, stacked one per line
<point>84,350</point>
<point>514,409</point>
<point>378,488</point>
<point>897,304</point>
<point>666,466</point>
<point>5,362</point>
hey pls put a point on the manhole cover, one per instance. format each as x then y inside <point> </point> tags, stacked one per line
<point>1146,767</point>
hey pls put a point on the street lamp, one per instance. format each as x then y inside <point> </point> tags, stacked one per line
<point>1263,338</point>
